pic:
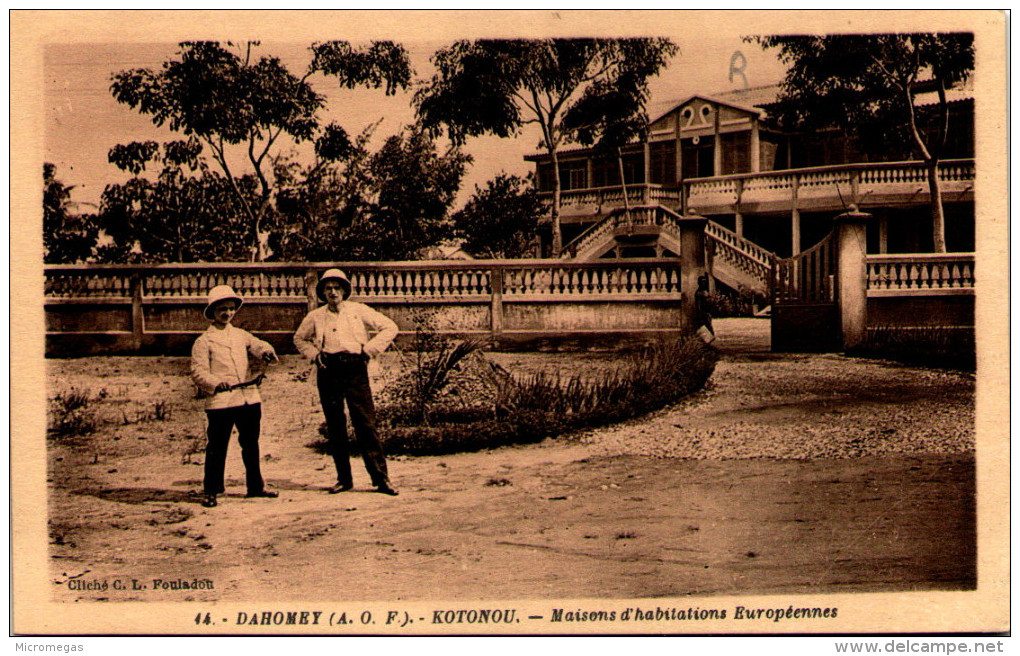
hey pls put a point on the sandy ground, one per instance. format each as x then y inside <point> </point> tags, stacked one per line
<point>789,473</point>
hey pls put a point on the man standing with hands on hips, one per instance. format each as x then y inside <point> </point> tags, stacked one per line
<point>335,338</point>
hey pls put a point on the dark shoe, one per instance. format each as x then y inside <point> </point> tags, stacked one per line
<point>268,494</point>
<point>209,501</point>
<point>387,489</point>
<point>339,487</point>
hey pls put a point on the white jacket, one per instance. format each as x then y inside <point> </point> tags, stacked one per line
<point>221,356</point>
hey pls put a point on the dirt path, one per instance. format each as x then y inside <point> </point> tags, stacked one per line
<point>789,473</point>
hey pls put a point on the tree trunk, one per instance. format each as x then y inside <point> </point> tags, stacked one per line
<point>557,236</point>
<point>938,216</point>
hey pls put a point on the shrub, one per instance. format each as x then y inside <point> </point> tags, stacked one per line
<point>742,302</point>
<point>540,405</point>
<point>930,346</point>
<point>431,364</point>
<point>72,414</point>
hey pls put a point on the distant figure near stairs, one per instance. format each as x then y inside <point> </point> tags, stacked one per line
<point>703,311</point>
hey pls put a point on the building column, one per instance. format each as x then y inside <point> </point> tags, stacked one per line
<point>678,155</point>
<point>851,276</point>
<point>646,151</point>
<point>794,232</point>
<point>755,147</point>
<point>739,224</point>
<point>883,234</point>
<point>717,149</point>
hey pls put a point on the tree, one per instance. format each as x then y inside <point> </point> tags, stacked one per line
<point>389,205</point>
<point>189,213</point>
<point>868,85</point>
<point>500,220</point>
<point>229,101</point>
<point>68,237</point>
<point>586,91</point>
<point>319,202</point>
<point>414,187</point>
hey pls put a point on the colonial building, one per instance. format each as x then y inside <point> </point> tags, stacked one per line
<point>722,157</point>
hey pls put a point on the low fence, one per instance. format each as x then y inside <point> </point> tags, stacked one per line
<point>920,291</point>
<point>514,303</point>
<point>835,295</point>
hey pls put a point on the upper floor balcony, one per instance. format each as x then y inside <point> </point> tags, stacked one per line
<point>816,189</point>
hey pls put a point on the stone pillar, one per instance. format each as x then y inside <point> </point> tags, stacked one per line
<point>311,280</point>
<point>496,303</point>
<point>692,261</point>
<point>137,311</point>
<point>739,225</point>
<point>883,234</point>
<point>851,276</point>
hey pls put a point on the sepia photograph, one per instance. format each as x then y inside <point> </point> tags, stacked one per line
<point>509,323</point>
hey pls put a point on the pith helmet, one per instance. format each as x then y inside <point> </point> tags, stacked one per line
<point>220,293</point>
<point>333,274</point>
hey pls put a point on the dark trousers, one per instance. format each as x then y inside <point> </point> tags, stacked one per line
<point>248,419</point>
<point>345,378</point>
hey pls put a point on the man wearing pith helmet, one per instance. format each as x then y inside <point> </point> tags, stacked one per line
<point>219,367</point>
<point>335,337</point>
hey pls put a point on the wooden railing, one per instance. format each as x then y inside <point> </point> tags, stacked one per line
<point>838,185</point>
<point>920,274</point>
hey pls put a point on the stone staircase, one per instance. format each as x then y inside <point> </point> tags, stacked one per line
<point>732,260</point>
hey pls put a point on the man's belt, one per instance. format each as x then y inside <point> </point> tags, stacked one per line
<point>345,357</point>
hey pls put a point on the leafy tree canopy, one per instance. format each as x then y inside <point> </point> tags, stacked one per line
<point>222,96</point>
<point>500,220</point>
<point>390,205</point>
<point>187,213</point>
<point>68,237</point>
<point>868,84</point>
<point>587,91</point>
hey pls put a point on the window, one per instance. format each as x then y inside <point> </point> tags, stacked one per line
<point>736,153</point>
<point>663,162</point>
<point>577,178</point>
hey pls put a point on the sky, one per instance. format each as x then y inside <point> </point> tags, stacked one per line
<point>83,121</point>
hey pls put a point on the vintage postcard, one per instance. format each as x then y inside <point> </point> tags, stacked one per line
<point>526,323</point>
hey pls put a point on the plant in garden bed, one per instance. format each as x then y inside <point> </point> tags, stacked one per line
<point>438,374</point>
<point>536,406</point>
<point>930,346</point>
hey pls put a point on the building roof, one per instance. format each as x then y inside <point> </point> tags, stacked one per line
<point>752,96</point>
<point>757,99</point>
<point>716,99</point>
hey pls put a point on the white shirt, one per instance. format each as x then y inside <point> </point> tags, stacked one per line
<point>345,330</point>
<point>221,356</point>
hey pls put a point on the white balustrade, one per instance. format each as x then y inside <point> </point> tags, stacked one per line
<point>920,274</point>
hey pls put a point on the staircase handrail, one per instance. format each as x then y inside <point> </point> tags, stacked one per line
<point>744,246</point>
